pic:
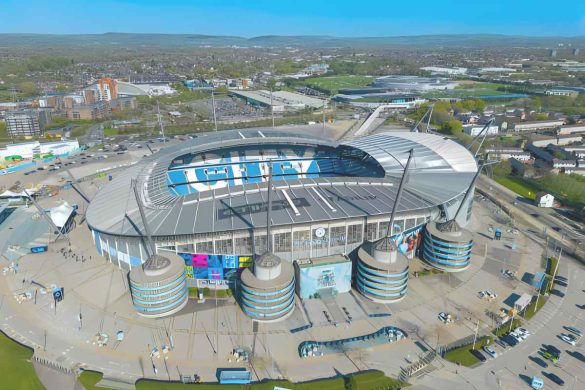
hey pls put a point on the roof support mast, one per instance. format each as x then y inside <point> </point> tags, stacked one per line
<point>399,194</point>
<point>483,131</point>
<point>269,210</point>
<point>427,115</point>
<point>150,241</point>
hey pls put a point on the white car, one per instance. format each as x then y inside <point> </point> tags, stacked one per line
<point>568,339</point>
<point>490,351</point>
<point>520,336</point>
<point>523,331</point>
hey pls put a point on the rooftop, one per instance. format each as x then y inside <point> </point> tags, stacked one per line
<point>441,170</point>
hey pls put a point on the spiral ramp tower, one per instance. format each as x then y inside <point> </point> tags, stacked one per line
<point>268,293</point>
<point>446,245</point>
<point>382,271</point>
<point>159,286</point>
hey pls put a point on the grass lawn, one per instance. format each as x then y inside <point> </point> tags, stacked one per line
<point>374,380</point>
<point>89,378</point>
<point>108,132</point>
<point>519,186</point>
<point>370,380</point>
<point>332,84</point>
<point>551,265</point>
<point>463,356</point>
<point>532,309</point>
<point>17,371</point>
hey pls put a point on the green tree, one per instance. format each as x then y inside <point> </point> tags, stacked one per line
<point>28,88</point>
<point>452,126</point>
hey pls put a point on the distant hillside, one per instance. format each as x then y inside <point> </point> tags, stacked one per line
<point>196,40</point>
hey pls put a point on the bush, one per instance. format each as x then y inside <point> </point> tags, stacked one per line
<point>503,330</point>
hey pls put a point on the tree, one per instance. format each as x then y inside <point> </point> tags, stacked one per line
<point>28,88</point>
<point>452,126</point>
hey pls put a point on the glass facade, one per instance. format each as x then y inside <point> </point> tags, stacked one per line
<point>290,243</point>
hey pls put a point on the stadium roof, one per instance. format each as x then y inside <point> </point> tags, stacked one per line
<point>441,171</point>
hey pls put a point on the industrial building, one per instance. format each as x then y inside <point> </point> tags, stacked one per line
<point>572,129</point>
<point>537,125</point>
<point>280,101</point>
<point>506,153</point>
<point>474,130</point>
<point>543,141</point>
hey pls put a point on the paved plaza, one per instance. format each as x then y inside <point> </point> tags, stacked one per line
<point>202,336</point>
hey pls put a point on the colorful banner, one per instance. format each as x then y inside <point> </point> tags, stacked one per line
<point>214,267</point>
<point>408,241</point>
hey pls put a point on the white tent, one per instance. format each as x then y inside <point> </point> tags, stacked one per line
<point>12,194</point>
<point>60,215</point>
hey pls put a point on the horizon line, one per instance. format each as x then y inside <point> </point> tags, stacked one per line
<point>298,35</point>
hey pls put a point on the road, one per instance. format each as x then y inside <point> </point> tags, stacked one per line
<point>95,133</point>
<point>557,226</point>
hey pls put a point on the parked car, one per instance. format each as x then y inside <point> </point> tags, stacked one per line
<point>549,356</point>
<point>512,341</point>
<point>569,339</point>
<point>574,330</point>
<point>478,355</point>
<point>490,351</point>
<point>554,350</point>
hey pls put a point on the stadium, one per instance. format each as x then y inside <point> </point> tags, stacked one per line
<point>206,199</point>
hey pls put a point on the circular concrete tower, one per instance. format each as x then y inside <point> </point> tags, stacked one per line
<point>267,294</point>
<point>382,271</point>
<point>159,286</point>
<point>446,246</point>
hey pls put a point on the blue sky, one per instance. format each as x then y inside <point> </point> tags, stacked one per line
<point>300,17</point>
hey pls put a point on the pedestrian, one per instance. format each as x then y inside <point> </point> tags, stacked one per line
<point>524,368</point>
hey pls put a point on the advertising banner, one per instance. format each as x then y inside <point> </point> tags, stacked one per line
<point>214,267</point>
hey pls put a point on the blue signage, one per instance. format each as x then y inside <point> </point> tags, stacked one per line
<point>39,249</point>
<point>58,294</point>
